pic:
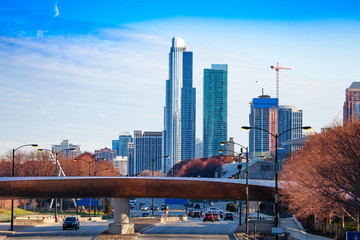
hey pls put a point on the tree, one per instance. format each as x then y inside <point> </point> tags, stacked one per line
<point>203,167</point>
<point>323,178</point>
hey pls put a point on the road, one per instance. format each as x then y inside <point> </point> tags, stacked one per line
<point>54,231</point>
<point>193,229</point>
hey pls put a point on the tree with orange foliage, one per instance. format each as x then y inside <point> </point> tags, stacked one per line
<point>323,178</point>
<point>202,167</point>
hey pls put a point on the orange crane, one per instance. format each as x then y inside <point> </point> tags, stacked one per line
<point>277,68</point>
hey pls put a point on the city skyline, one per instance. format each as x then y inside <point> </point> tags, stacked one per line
<point>82,76</point>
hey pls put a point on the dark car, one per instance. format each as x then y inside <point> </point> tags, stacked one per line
<point>190,212</point>
<point>71,222</point>
<point>197,205</point>
<point>208,217</point>
<point>221,213</point>
<point>229,216</point>
<point>196,214</point>
<point>216,216</point>
<point>164,207</point>
<point>145,214</point>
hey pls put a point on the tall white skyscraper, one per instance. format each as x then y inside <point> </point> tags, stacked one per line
<point>179,116</point>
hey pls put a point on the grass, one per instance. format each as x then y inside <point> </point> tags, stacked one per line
<point>5,214</point>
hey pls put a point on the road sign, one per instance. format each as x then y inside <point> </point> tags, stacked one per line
<point>85,202</point>
<point>198,201</point>
<point>352,235</point>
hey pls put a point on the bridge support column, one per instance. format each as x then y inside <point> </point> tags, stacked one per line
<point>121,223</point>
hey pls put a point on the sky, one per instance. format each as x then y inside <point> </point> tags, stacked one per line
<point>87,70</point>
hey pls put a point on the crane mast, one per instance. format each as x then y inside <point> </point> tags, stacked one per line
<point>277,68</point>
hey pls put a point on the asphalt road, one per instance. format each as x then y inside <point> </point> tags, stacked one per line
<point>193,229</point>
<point>54,231</point>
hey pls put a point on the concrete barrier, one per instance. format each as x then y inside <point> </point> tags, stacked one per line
<point>42,219</point>
<point>301,235</point>
<point>165,219</point>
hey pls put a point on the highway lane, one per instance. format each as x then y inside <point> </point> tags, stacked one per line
<point>54,231</point>
<point>193,229</point>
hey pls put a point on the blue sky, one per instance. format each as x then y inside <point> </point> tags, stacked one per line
<point>86,70</point>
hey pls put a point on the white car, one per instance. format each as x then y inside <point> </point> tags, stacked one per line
<point>213,209</point>
<point>144,208</point>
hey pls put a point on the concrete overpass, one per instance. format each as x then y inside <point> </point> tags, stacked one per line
<point>123,188</point>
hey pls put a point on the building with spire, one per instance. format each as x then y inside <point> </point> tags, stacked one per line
<point>179,111</point>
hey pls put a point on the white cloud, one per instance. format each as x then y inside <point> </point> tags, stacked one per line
<point>87,88</point>
<point>57,13</point>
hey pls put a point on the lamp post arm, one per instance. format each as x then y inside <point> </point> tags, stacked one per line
<point>25,146</point>
<point>263,130</point>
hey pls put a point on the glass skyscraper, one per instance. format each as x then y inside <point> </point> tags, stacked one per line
<point>121,145</point>
<point>263,114</point>
<point>290,117</point>
<point>215,109</point>
<point>179,112</point>
<point>147,147</point>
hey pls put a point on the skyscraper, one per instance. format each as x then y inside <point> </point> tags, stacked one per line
<point>65,144</point>
<point>351,107</point>
<point>290,117</point>
<point>179,112</point>
<point>147,147</point>
<point>121,145</point>
<point>263,114</point>
<point>215,109</point>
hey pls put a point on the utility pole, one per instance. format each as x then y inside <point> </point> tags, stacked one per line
<point>277,68</point>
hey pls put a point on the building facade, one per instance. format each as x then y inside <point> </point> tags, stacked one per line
<point>131,160</point>
<point>147,148</point>
<point>264,115</point>
<point>65,144</point>
<point>121,145</point>
<point>290,117</point>
<point>215,109</point>
<point>351,104</point>
<point>179,111</point>
<point>106,153</point>
<point>121,165</point>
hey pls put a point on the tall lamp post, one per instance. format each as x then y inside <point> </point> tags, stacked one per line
<point>152,174</point>
<point>56,154</point>
<point>13,175</point>
<point>247,182</point>
<point>88,162</point>
<point>276,136</point>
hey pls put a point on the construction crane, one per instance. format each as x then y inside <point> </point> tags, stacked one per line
<point>277,68</point>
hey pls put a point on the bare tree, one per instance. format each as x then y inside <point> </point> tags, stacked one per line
<point>323,178</point>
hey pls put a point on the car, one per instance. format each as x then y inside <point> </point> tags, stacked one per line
<point>145,214</point>
<point>189,213</point>
<point>131,205</point>
<point>216,216</point>
<point>196,214</point>
<point>71,222</point>
<point>197,205</point>
<point>221,213</point>
<point>156,208</point>
<point>164,207</point>
<point>208,217</point>
<point>212,209</point>
<point>229,216</point>
<point>144,207</point>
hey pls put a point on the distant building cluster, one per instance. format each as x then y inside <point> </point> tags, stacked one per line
<point>132,153</point>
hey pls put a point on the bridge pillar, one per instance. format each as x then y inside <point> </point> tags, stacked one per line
<point>121,223</point>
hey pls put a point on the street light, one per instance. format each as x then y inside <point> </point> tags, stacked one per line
<point>276,136</point>
<point>152,174</point>
<point>55,154</point>
<point>88,162</point>
<point>13,174</point>
<point>247,182</point>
